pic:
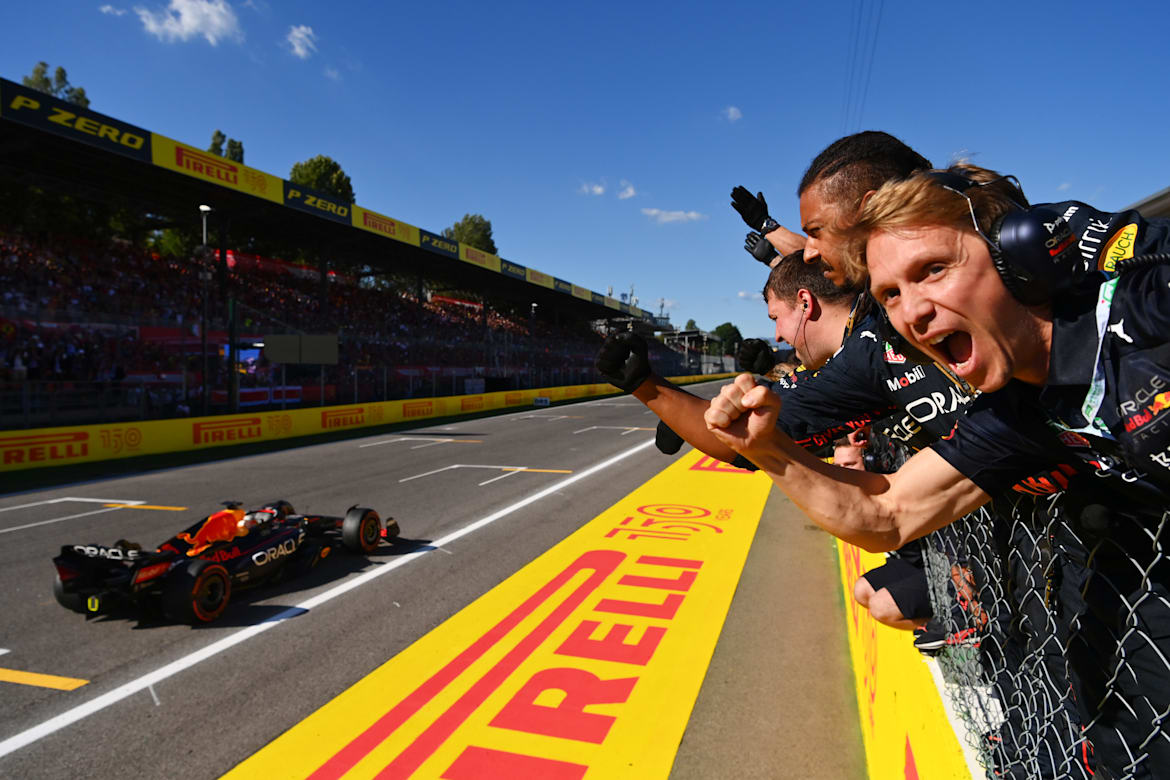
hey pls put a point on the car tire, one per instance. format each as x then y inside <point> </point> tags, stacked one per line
<point>361,530</point>
<point>198,593</point>
<point>74,602</point>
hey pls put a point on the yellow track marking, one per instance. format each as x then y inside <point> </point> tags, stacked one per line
<point>41,680</point>
<point>149,506</point>
<point>585,663</point>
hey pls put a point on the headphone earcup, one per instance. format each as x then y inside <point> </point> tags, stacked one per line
<point>1034,252</point>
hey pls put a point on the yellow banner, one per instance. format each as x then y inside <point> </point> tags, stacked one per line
<point>538,277</point>
<point>41,447</point>
<point>384,226</point>
<point>582,293</point>
<point>584,664</point>
<point>478,257</point>
<point>218,170</point>
<point>903,723</point>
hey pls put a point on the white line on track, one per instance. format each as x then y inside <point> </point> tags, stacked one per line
<point>67,517</point>
<point>4,650</point>
<point>69,717</point>
<point>72,498</point>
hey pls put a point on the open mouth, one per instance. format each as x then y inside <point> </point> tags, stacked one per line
<point>955,346</point>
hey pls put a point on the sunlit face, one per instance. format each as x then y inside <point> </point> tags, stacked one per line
<point>944,296</point>
<point>814,344</point>
<point>819,217</point>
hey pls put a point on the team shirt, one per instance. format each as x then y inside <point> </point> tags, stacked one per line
<point>1106,403</point>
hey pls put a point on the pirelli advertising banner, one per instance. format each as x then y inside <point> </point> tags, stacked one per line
<point>43,447</point>
<point>585,664</point>
<point>214,169</point>
<point>478,257</point>
<point>904,724</point>
<point>36,109</point>
<point>384,226</point>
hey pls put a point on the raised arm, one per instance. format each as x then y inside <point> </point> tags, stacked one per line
<point>878,512</point>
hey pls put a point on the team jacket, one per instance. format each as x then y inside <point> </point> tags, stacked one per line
<point>867,381</point>
<point>1106,404</point>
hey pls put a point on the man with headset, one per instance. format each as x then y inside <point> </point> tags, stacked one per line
<point>1074,368</point>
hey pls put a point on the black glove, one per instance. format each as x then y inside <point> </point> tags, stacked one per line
<point>622,361</point>
<point>667,441</point>
<point>759,247</point>
<point>756,356</point>
<point>753,208</point>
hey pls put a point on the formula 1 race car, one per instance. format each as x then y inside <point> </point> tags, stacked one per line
<point>191,576</point>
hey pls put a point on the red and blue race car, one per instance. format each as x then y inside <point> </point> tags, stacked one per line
<point>191,576</point>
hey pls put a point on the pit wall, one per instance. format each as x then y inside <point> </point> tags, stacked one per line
<point>904,724</point>
<point>43,447</point>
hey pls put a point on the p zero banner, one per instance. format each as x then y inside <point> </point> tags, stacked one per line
<point>212,168</point>
<point>384,226</point>
<point>561,286</point>
<point>438,244</point>
<point>514,270</point>
<point>36,109</point>
<point>316,203</point>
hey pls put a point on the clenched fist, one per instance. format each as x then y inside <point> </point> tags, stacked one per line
<point>623,362</point>
<point>743,415</point>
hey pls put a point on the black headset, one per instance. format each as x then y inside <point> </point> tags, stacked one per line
<point>1032,249</point>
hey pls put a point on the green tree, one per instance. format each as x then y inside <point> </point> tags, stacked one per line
<point>324,174</point>
<point>730,336</point>
<point>473,230</point>
<point>217,141</point>
<point>235,150</point>
<point>58,86</point>
<point>690,325</point>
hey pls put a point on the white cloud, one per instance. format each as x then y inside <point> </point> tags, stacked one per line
<point>733,114</point>
<point>592,188</point>
<point>749,296</point>
<point>302,41</point>
<point>333,74</point>
<point>627,192</point>
<point>183,20</point>
<point>1064,186</point>
<point>663,217</point>
<point>109,9</point>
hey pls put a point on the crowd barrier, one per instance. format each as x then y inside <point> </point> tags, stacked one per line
<point>42,447</point>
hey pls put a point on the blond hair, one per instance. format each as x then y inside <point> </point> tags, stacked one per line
<point>924,200</point>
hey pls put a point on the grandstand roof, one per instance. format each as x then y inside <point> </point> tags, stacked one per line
<point>51,143</point>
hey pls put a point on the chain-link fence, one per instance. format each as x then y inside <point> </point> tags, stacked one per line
<point>1057,618</point>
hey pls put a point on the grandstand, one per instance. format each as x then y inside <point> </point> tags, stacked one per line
<point>103,330</point>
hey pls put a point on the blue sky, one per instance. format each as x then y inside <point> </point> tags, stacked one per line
<point>602,139</point>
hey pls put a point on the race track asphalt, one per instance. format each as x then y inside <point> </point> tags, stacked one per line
<point>166,700</point>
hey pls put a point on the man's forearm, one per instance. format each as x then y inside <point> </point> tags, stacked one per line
<point>877,512</point>
<point>683,412</point>
<point>785,242</point>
